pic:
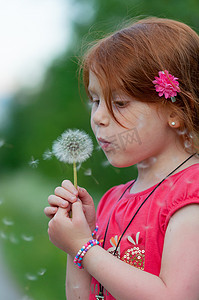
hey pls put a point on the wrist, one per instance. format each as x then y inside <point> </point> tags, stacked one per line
<point>78,259</point>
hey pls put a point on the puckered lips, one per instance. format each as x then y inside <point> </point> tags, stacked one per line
<point>104,144</point>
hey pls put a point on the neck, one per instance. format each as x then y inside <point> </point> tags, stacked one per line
<point>154,169</point>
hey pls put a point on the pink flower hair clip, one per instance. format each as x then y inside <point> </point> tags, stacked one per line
<point>167,85</point>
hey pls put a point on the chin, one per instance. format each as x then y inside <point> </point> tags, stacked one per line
<point>119,164</point>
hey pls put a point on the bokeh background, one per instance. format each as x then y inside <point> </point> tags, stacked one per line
<point>41,44</point>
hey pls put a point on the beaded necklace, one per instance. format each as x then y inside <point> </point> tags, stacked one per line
<point>101,294</point>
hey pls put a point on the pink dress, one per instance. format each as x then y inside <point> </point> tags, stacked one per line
<point>142,244</point>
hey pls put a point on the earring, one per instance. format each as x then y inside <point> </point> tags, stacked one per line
<point>173,123</point>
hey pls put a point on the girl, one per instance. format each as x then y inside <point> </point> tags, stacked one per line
<point>143,84</point>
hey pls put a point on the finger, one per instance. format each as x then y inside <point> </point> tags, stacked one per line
<point>57,201</point>
<point>65,194</point>
<point>50,211</point>
<point>62,212</point>
<point>67,184</point>
<point>84,196</point>
<point>77,211</point>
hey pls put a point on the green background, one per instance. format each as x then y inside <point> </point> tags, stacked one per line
<point>36,118</point>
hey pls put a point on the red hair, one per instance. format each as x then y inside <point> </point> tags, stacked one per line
<point>128,61</point>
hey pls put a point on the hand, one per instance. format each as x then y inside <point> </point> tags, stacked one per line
<point>69,234</point>
<point>65,196</point>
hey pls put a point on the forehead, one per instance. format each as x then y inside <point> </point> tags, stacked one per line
<point>94,84</point>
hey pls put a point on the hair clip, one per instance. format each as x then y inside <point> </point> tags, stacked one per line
<point>167,85</point>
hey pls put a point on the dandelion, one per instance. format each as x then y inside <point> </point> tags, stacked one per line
<point>73,146</point>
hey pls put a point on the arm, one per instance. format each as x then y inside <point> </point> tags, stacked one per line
<point>77,282</point>
<point>179,274</point>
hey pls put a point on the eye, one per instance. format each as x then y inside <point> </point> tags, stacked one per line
<point>120,103</point>
<point>94,101</point>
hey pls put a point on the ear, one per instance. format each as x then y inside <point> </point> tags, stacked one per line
<point>174,120</point>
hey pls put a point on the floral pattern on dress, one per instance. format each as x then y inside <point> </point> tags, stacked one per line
<point>135,255</point>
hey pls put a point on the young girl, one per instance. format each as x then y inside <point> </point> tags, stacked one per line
<point>143,83</point>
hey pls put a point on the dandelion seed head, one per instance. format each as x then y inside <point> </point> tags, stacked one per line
<point>73,146</point>
<point>47,155</point>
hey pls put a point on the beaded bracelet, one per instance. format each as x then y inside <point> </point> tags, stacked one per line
<point>95,230</point>
<point>80,254</point>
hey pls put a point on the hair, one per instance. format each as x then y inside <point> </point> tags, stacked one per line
<point>129,59</point>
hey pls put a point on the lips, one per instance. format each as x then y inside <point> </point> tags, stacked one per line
<point>103,143</point>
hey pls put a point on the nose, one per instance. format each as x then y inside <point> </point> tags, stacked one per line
<point>100,114</point>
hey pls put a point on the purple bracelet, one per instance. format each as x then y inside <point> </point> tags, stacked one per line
<point>80,254</point>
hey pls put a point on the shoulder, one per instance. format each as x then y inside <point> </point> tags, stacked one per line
<point>179,191</point>
<point>112,196</point>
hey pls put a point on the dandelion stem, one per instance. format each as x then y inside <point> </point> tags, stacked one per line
<point>75,174</point>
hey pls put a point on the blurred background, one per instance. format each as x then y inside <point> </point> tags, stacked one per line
<point>41,43</point>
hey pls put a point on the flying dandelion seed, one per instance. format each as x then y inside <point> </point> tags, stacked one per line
<point>7,222</point>
<point>98,148</point>
<point>31,277</point>
<point>79,167</point>
<point>3,235</point>
<point>147,163</point>
<point>13,239</point>
<point>27,298</point>
<point>72,147</point>
<point>105,163</point>
<point>88,172</point>
<point>2,143</point>
<point>27,238</point>
<point>47,155</point>
<point>33,162</point>
<point>181,132</point>
<point>187,144</point>
<point>41,272</point>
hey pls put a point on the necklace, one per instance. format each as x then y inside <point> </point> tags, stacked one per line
<point>101,294</point>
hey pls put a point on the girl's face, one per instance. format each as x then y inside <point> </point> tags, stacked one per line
<point>147,133</point>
